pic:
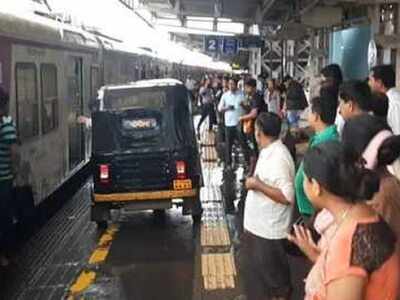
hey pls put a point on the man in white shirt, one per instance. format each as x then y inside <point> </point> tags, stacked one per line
<point>268,211</point>
<point>231,106</point>
<point>260,84</point>
<point>382,79</point>
<point>355,99</point>
<point>190,85</point>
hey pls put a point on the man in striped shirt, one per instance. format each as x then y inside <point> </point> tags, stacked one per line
<point>8,151</point>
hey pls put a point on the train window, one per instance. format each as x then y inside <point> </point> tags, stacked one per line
<point>27,100</point>
<point>48,78</point>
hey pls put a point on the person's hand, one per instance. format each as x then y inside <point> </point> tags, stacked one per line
<point>252,183</point>
<point>303,239</point>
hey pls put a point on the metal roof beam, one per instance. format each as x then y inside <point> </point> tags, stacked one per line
<point>264,8</point>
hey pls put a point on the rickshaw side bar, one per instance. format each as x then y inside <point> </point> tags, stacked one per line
<point>157,195</point>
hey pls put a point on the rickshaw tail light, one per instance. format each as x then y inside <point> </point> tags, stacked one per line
<point>104,173</point>
<point>181,169</point>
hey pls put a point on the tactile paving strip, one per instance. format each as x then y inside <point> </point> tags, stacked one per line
<point>207,138</point>
<point>210,194</point>
<point>217,262</point>
<point>209,154</point>
<point>218,271</point>
<point>215,235</point>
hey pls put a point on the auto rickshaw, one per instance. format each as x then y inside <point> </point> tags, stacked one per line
<point>145,153</point>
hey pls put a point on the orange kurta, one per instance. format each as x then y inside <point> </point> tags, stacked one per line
<point>335,263</point>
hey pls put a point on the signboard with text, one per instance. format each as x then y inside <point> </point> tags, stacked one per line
<point>212,44</point>
<point>230,46</point>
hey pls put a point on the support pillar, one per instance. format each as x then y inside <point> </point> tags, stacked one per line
<point>255,62</point>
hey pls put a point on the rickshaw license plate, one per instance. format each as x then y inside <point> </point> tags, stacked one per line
<point>140,123</point>
<point>182,184</point>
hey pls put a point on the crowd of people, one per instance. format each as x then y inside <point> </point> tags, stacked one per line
<point>340,206</point>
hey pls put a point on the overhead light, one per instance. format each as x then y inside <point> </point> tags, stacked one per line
<point>224,20</point>
<point>232,27</point>
<point>178,29</point>
<point>199,25</point>
<point>169,22</point>
<point>205,19</point>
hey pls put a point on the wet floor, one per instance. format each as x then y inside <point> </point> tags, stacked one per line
<point>151,257</point>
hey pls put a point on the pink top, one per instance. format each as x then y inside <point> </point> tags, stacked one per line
<point>334,263</point>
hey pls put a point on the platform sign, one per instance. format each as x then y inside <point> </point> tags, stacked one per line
<point>211,44</point>
<point>230,46</point>
<point>251,41</point>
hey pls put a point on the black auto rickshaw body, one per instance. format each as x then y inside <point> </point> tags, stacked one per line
<point>145,153</point>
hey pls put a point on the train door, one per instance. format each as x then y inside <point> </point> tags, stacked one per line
<point>76,147</point>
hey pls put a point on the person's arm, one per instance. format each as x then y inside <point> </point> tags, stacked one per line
<point>347,288</point>
<point>222,105</point>
<point>250,116</point>
<point>280,171</point>
<point>254,183</point>
<point>393,118</point>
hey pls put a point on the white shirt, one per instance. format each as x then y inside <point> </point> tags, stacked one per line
<point>272,100</point>
<point>339,122</point>
<point>393,117</point>
<point>263,216</point>
<point>241,85</point>
<point>190,83</point>
<point>260,85</point>
<point>232,99</point>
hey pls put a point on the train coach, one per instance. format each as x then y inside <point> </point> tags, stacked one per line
<point>51,71</point>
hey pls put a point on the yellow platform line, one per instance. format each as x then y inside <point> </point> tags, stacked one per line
<point>87,277</point>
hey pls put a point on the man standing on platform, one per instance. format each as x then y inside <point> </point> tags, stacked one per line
<point>382,79</point>
<point>269,204</point>
<point>8,153</point>
<point>231,105</point>
<point>295,102</point>
<point>257,106</point>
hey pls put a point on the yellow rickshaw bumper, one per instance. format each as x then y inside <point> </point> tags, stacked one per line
<point>141,196</point>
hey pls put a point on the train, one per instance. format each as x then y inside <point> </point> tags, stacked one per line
<point>51,71</point>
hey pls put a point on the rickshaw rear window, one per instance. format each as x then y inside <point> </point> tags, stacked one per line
<point>135,98</point>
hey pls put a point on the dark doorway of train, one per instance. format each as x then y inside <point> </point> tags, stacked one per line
<point>75,130</point>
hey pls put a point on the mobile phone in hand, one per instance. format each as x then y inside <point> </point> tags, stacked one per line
<point>299,222</point>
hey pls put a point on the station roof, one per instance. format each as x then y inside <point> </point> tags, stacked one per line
<point>246,11</point>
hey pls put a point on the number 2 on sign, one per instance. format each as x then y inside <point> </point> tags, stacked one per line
<point>212,45</point>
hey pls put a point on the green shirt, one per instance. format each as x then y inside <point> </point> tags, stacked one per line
<point>328,134</point>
